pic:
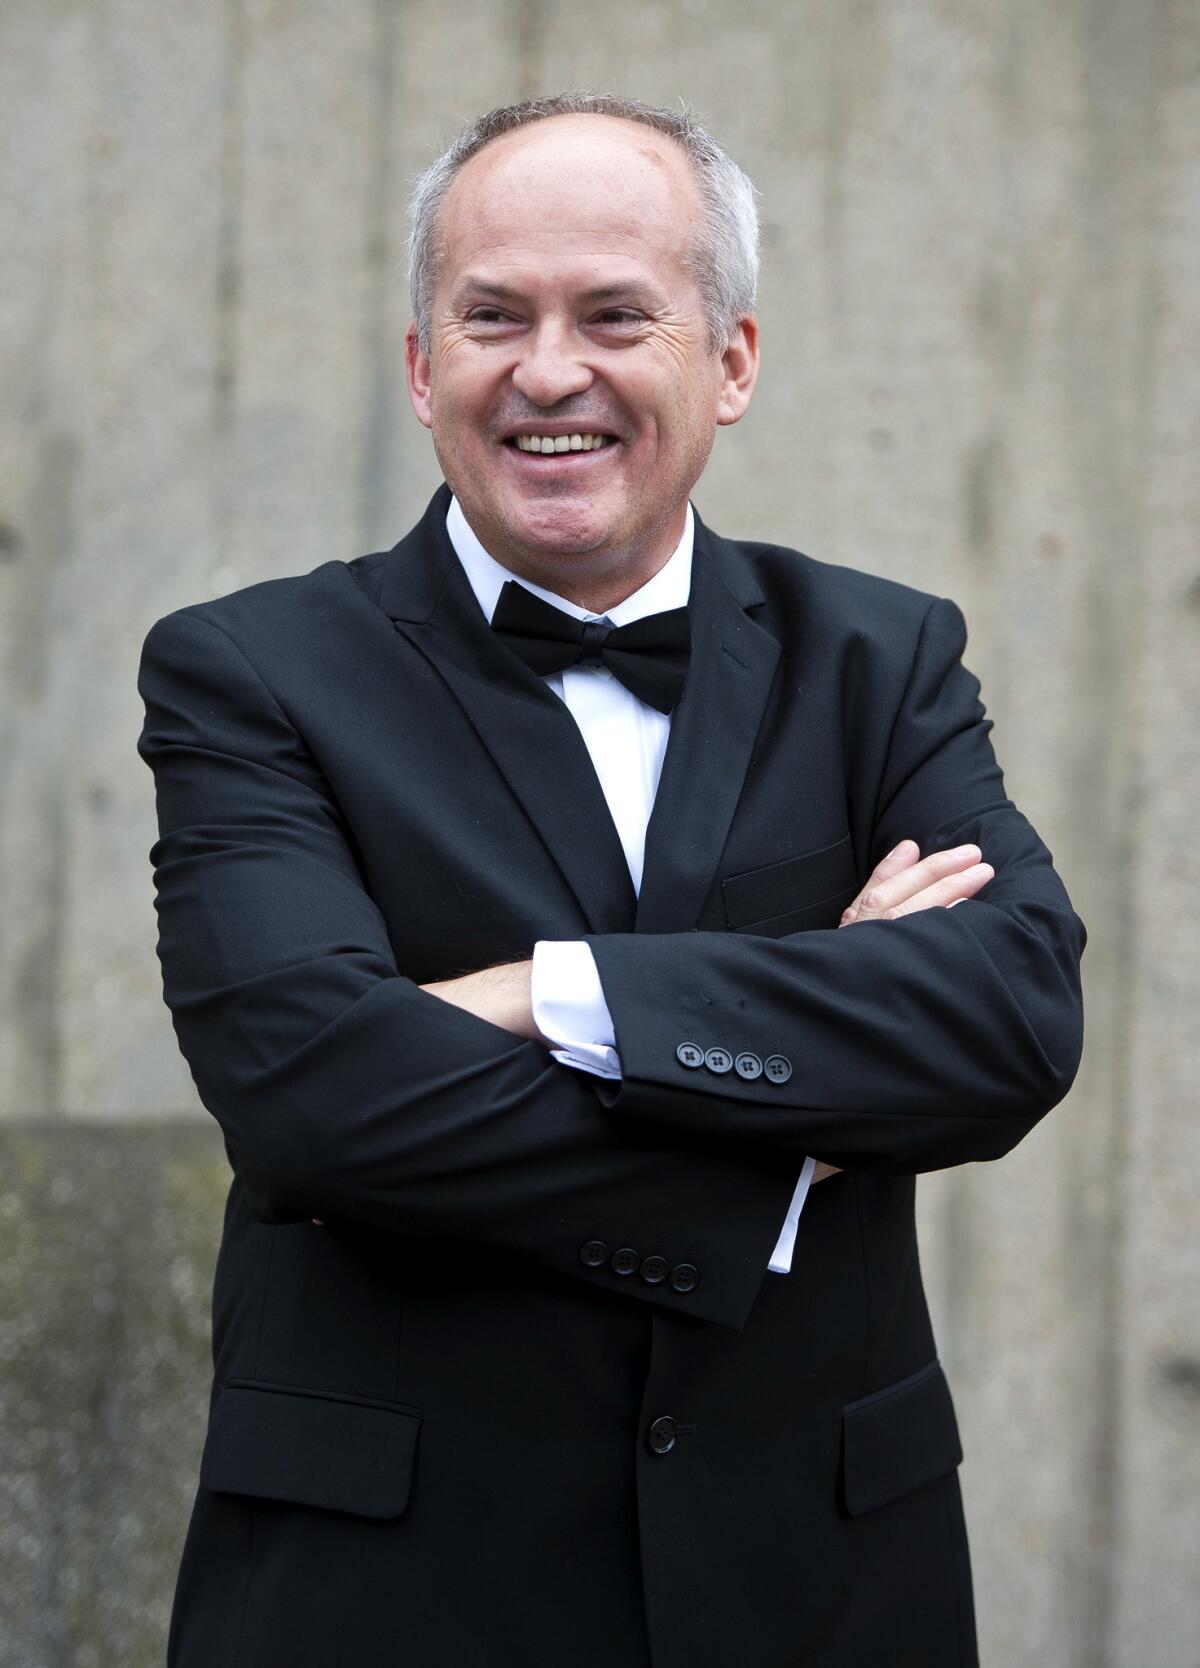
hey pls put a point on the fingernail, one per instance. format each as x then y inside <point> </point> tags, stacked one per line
<point>896,850</point>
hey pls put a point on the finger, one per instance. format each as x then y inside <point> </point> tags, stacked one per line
<point>944,893</point>
<point>890,894</point>
<point>900,857</point>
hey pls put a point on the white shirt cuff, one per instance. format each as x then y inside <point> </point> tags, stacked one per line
<point>781,1257</point>
<point>570,1011</point>
<point>569,1008</point>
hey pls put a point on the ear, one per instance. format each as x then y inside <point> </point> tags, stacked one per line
<point>739,364</point>
<point>416,364</point>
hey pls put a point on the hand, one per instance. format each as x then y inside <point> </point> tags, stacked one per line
<point>903,882</point>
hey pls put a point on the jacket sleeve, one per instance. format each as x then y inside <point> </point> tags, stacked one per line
<point>912,1044</point>
<point>343,1090</point>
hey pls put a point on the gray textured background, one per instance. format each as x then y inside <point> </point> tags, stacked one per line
<point>981,318</point>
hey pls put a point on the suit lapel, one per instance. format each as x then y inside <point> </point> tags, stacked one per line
<point>713,731</point>
<point>526,728</point>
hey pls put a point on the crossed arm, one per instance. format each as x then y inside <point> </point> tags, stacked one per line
<point>902,883</point>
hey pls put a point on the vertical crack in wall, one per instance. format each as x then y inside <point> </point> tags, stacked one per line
<point>37,985</point>
<point>36,841</point>
<point>833,177</point>
<point>384,289</point>
<point>229,266</point>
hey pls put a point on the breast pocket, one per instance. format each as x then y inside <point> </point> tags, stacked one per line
<point>341,1453</point>
<point>794,895</point>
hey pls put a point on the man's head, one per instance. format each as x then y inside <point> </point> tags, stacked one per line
<point>581,266</point>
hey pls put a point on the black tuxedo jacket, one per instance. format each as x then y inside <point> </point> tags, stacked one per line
<point>452,1426</point>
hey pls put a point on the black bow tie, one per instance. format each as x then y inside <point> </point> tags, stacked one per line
<point>649,656</point>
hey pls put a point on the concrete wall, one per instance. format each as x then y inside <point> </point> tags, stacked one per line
<point>981,311</point>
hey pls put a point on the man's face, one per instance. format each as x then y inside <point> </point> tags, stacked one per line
<point>564,306</point>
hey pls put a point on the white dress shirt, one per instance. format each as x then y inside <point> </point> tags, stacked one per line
<point>627,742</point>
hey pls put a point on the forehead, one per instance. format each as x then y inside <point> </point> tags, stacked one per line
<point>569,187</point>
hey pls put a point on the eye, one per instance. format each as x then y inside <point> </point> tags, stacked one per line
<point>489,318</point>
<point>619,316</point>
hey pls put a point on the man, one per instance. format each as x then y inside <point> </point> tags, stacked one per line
<point>544,903</point>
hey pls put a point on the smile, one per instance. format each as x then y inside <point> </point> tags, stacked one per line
<point>546,443</point>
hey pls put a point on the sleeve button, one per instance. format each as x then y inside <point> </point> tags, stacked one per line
<point>718,1060</point>
<point>778,1068</point>
<point>594,1253</point>
<point>684,1277</point>
<point>748,1066</point>
<point>654,1270</point>
<point>624,1261</point>
<point>689,1055</point>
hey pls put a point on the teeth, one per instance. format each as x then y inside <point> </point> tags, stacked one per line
<point>545,443</point>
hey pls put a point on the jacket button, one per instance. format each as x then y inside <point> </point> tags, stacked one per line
<point>660,1438</point>
<point>689,1055</point>
<point>593,1253</point>
<point>624,1261</point>
<point>653,1270</point>
<point>778,1068</point>
<point>684,1277</point>
<point>718,1060</point>
<point>748,1066</point>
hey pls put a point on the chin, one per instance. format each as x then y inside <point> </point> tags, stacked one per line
<point>557,529</point>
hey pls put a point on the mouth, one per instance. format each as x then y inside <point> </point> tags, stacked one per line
<point>538,445</point>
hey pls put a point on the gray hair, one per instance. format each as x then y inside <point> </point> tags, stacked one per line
<point>724,258</point>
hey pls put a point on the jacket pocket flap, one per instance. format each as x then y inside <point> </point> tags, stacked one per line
<point>794,884</point>
<point>897,1439</point>
<point>339,1453</point>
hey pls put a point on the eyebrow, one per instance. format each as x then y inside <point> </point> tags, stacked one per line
<point>599,293</point>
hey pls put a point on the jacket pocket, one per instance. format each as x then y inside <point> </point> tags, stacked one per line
<point>897,1439</point>
<point>313,1448</point>
<point>806,891</point>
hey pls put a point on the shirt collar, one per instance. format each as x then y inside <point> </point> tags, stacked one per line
<point>669,588</point>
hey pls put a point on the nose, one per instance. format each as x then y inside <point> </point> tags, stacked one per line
<point>550,367</point>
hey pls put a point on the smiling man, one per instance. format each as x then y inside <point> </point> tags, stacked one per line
<point>568,303</point>
<point>545,904</point>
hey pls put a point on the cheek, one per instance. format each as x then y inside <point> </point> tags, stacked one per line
<point>681,403</point>
<point>459,385</point>
<point>685,426</point>
<point>454,425</point>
